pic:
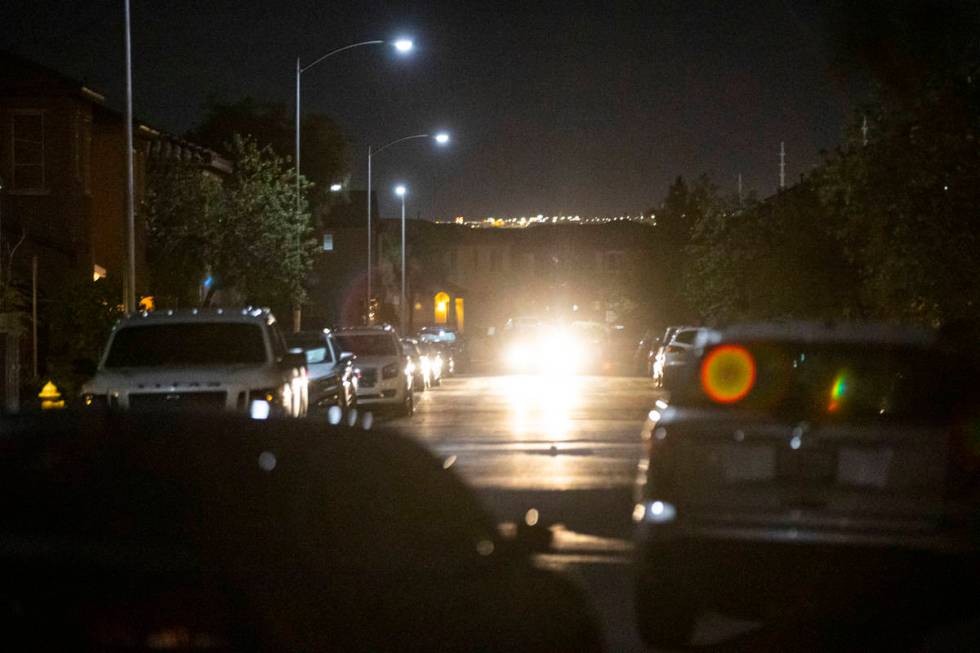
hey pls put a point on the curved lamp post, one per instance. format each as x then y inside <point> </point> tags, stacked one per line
<point>441,138</point>
<point>402,46</point>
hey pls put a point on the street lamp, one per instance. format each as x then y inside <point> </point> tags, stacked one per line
<point>400,191</point>
<point>441,138</point>
<point>401,45</point>
<point>336,188</point>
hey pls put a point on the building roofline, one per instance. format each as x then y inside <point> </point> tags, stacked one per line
<point>184,148</point>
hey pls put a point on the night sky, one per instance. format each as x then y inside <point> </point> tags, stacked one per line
<point>555,108</point>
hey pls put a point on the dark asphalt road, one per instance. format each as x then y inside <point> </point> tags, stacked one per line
<point>566,446</point>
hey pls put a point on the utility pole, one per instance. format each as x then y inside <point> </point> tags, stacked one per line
<point>782,165</point>
<point>130,298</point>
<point>864,131</point>
<point>34,314</point>
<point>370,242</point>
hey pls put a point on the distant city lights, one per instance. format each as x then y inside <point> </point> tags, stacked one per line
<point>526,221</point>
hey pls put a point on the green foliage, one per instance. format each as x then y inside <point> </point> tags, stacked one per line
<point>272,124</point>
<point>79,320</point>
<point>886,228</point>
<point>774,260</point>
<point>263,245</point>
<point>248,231</point>
<point>184,206</point>
<point>906,204</point>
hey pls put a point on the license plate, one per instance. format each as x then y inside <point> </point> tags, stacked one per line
<point>748,463</point>
<point>864,467</point>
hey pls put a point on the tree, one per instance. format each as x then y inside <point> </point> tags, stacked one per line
<point>272,124</point>
<point>905,204</point>
<point>245,230</point>
<point>263,246</point>
<point>79,321</point>
<point>184,206</point>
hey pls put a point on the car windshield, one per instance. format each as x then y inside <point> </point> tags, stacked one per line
<point>368,344</point>
<point>823,382</point>
<point>685,337</point>
<point>314,346</point>
<point>437,335</point>
<point>192,344</point>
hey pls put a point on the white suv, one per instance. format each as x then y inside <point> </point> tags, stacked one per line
<point>673,356</point>
<point>382,364</point>
<point>215,359</point>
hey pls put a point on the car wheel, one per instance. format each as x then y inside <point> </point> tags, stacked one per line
<point>665,612</point>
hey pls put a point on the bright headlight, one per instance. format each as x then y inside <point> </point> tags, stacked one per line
<point>517,356</point>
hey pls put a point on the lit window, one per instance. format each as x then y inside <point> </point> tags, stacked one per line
<point>28,151</point>
<point>328,242</point>
<point>98,272</point>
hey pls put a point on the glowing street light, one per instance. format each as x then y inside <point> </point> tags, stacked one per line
<point>402,46</point>
<point>441,138</point>
<point>336,188</point>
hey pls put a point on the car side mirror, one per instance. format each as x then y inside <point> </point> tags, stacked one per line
<point>294,359</point>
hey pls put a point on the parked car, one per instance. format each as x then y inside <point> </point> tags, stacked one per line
<point>447,338</point>
<point>382,367</point>
<point>199,360</point>
<point>437,364</point>
<point>645,354</point>
<point>658,359</point>
<point>418,364</point>
<point>800,466</point>
<point>332,380</point>
<point>447,357</point>
<point>672,357</point>
<point>228,534</point>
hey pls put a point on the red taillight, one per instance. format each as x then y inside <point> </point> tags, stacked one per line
<point>728,373</point>
<point>673,349</point>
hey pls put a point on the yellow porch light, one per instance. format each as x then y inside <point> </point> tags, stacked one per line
<point>441,301</point>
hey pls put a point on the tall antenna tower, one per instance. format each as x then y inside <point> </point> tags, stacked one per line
<point>782,165</point>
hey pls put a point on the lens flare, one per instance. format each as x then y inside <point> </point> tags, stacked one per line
<point>837,391</point>
<point>728,373</point>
